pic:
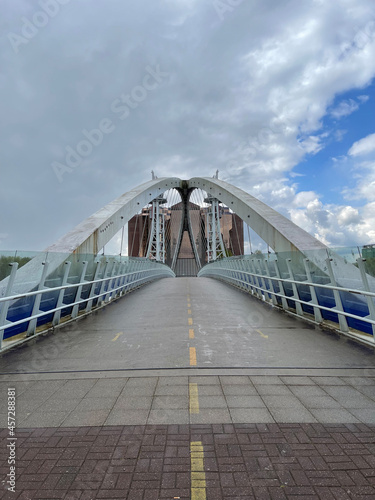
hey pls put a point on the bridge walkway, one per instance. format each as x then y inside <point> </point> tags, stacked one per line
<point>189,387</point>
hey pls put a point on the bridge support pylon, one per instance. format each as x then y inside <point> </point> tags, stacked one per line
<point>156,245</point>
<point>215,245</point>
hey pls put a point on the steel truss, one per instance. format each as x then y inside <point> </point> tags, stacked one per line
<point>156,245</point>
<point>215,244</point>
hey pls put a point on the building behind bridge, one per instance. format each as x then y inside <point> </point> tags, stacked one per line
<point>231,226</point>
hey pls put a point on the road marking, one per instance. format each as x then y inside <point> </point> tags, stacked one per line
<point>193,398</point>
<point>193,356</point>
<point>189,311</point>
<point>191,333</point>
<point>190,321</point>
<point>117,336</point>
<point>198,476</point>
<point>189,305</point>
<point>262,334</point>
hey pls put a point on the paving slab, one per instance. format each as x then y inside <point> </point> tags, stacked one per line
<point>275,461</point>
<point>120,410</point>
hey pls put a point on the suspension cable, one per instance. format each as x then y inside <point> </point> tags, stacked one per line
<point>122,240</point>
<point>135,230</point>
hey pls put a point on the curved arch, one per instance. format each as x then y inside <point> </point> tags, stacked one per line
<point>97,230</point>
<point>91,235</point>
<point>280,233</point>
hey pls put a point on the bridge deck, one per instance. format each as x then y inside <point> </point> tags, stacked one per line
<point>151,329</point>
<point>113,402</point>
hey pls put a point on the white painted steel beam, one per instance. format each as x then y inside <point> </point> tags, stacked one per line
<point>91,235</point>
<point>280,233</point>
<point>95,232</point>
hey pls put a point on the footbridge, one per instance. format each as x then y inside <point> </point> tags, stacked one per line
<point>187,365</point>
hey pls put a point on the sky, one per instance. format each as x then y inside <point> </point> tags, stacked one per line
<point>279,96</point>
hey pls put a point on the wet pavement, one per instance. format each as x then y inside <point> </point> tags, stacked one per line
<point>189,388</point>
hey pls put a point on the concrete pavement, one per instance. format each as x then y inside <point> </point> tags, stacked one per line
<point>188,368</point>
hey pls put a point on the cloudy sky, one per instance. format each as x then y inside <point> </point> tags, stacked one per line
<point>276,94</point>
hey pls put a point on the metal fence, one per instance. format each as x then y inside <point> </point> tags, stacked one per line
<point>73,290</point>
<point>303,290</point>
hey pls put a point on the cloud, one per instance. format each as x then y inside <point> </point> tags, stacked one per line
<point>335,225</point>
<point>364,189</point>
<point>363,98</point>
<point>312,144</point>
<point>348,215</point>
<point>363,146</point>
<point>345,108</point>
<point>246,94</point>
<point>339,134</point>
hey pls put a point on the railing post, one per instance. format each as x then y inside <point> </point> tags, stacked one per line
<point>232,275</point>
<point>124,284</point>
<point>370,300</point>
<point>264,286</point>
<point>314,298</point>
<point>284,302</point>
<point>101,296</point>
<point>239,275</point>
<point>120,279</point>
<point>5,306</point>
<point>77,298</point>
<point>270,281</point>
<point>294,288</point>
<point>109,282</point>
<point>136,275</point>
<point>112,273</point>
<point>342,319</point>
<point>59,303</point>
<point>246,276</point>
<point>116,280</point>
<point>93,287</point>
<point>256,280</point>
<point>35,310</point>
<point>251,277</point>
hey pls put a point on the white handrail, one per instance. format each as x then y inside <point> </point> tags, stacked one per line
<point>116,284</point>
<point>250,280</point>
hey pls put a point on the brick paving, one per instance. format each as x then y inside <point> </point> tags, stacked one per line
<point>241,461</point>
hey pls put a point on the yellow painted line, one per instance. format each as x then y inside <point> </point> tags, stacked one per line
<point>193,398</point>
<point>193,356</point>
<point>198,475</point>
<point>188,304</point>
<point>190,321</point>
<point>191,333</point>
<point>117,336</point>
<point>262,334</point>
<point>189,311</point>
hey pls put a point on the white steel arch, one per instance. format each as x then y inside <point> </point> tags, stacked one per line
<point>91,235</point>
<point>280,233</point>
<point>95,232</point>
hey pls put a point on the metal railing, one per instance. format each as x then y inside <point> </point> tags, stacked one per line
<point>315,298</point>
<point>22,314</point>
